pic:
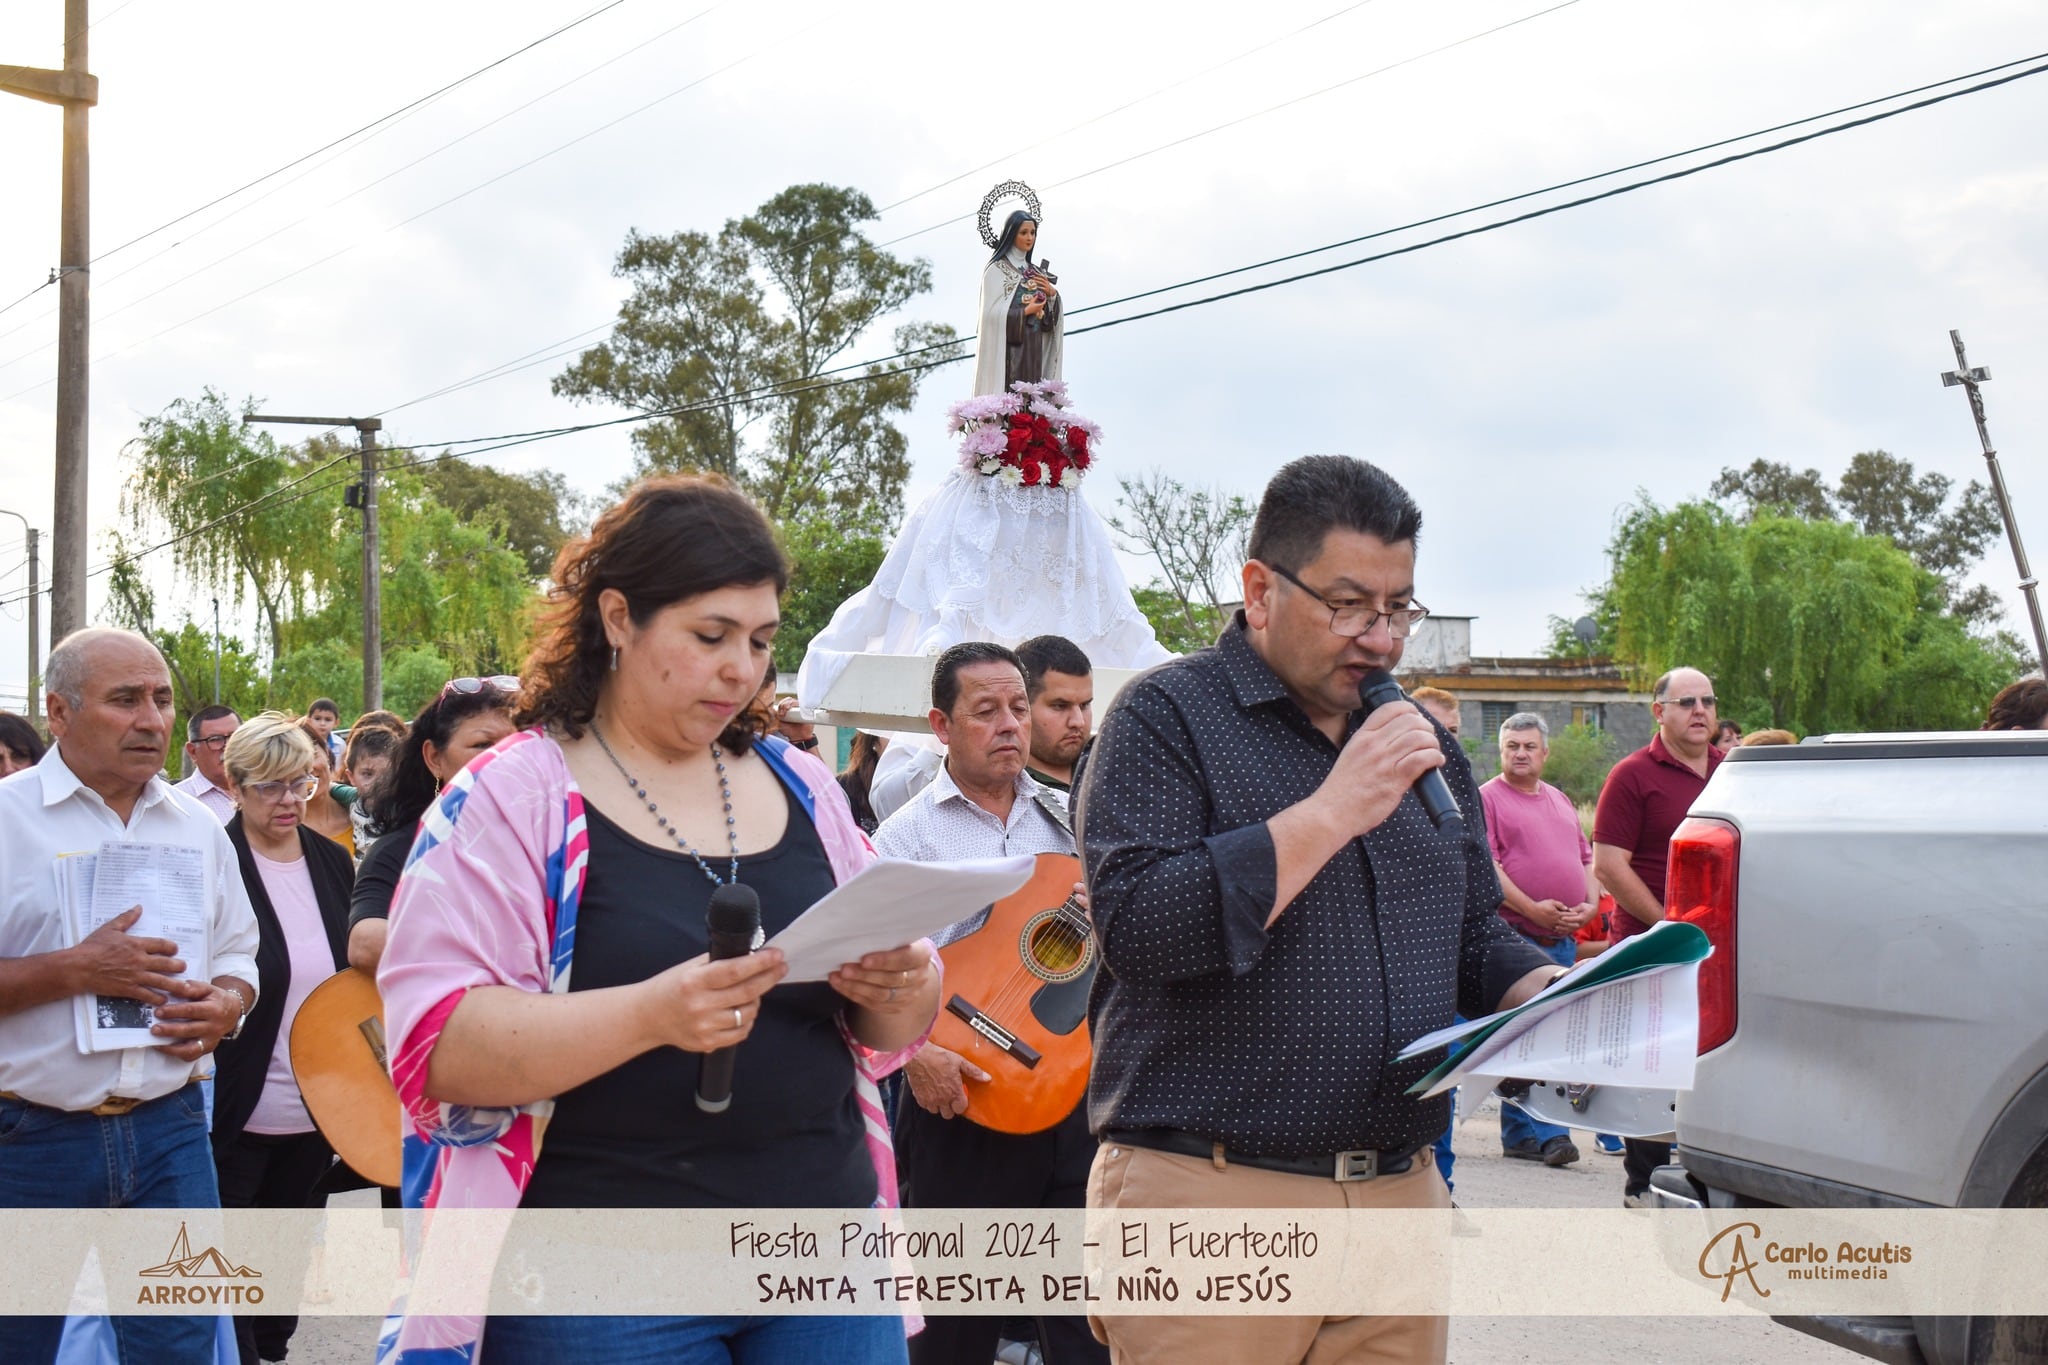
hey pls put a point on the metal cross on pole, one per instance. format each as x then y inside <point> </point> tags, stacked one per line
<point>1970,381</point>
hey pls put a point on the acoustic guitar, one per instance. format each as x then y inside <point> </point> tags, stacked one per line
<point>1016,1002</point>
<point>337,1051</point>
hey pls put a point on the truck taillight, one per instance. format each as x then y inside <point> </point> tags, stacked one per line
<point>1700,887</point>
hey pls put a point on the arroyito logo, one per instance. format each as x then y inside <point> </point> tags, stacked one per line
<point>209,1265</point>
<point>1794,1260</point>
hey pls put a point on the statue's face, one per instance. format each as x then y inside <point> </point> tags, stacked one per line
<point>1027,236</point>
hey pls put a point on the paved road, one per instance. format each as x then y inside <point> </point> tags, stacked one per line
<point>1485,1179</point>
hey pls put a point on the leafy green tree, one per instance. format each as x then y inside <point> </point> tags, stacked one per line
<point>1580,757</point>
<point>1803,625</point>
<point>265,524</point>
<point>829,562</point>
<point>737,327</point>
<point>532,513</point>
<point>1198,538</point>
<point>1882,495</point>
<point>1178,627</point>
<point>252,518</point>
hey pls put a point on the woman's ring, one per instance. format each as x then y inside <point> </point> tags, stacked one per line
<point>892,992</point>
<point>906,979</point>
<point>737,1021</point>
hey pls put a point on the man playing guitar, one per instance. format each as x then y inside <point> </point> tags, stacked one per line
<point>983,804</point>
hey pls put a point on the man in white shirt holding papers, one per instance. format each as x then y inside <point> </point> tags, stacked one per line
<point>122,1128</point>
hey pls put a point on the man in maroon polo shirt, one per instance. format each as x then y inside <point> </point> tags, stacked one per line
<point>1645,798</point>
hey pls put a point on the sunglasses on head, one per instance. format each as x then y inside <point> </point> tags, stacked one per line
<point>469,687</point>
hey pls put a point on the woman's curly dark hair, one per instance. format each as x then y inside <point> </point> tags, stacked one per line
<point>669,538</point>
<point>2022,706</point>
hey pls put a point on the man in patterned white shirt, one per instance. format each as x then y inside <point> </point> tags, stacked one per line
<point>982,804</point>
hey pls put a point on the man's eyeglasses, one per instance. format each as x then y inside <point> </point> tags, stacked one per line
<point>276,793</point>
<point>469,687</point>
<point>213,742</point>
<point>1688,703</point>
<point>1353,619</point>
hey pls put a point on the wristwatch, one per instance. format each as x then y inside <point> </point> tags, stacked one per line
<point>810,743</point>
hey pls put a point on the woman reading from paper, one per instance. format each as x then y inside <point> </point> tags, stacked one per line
<point>546,958</point>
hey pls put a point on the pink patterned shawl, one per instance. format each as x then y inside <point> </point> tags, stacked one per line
<point>489,898</point>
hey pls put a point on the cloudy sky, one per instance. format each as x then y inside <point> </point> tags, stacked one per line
<point>1523,383</point>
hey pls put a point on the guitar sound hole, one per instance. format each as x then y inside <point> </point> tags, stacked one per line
<point>1058,947</point>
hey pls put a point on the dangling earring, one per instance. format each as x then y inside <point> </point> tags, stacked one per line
<point>615,658</point>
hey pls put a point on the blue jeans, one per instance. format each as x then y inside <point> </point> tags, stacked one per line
<point>1517,1127</point>
<point>156,1156</point>
<point>522,1340</point>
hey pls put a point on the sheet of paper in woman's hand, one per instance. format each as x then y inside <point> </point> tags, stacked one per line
<point>892,903</point>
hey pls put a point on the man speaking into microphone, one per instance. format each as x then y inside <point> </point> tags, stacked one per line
<point>1279,915</point>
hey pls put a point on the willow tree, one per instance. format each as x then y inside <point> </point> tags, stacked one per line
<point>249,520</point>
<point>1805,625</point>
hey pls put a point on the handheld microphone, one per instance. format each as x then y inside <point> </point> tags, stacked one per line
<point>732,924</point>
<point>1377,689</point>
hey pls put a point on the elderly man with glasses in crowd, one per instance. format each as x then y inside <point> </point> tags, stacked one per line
<point>1647,794</point>
<point>206,738</point>
<point>124,1128</point>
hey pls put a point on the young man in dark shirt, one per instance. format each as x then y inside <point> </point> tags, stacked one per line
<point>1279,917</point>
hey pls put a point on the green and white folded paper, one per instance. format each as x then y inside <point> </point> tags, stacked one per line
<point>1629,1017</point>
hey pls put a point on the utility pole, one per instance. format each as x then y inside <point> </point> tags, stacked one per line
<point>216,651</point>
<point>35,643</point>
<point>77,92</point>
<point>1970,381</point>
<point>364,496</point>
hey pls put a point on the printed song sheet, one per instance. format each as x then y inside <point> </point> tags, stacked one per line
<point>1641,1030</point>
<point>892,903</point>
<point>1629,1017</point>
<point>169,882</point>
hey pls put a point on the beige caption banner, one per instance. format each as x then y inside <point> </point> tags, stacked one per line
<point>1531,1262</point>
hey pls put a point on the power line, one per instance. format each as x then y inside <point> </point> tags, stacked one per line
<point>1572,203</point>
<point>487,444</point>
<point>463,80</point>
<point>1108,113</point>
<point>1565,184</point>
<point>360,189</point>
<point>1125,106</point>
<point>324,147</point>
<point>342,251</point>
<point>1261,113</point>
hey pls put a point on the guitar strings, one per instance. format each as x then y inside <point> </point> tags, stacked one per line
<point>1010,992</point>
<point>1067,932</point>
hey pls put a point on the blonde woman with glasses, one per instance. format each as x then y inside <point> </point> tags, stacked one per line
<point>266,1151</point>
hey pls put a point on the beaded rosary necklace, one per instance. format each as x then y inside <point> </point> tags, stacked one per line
<point>732,834</point>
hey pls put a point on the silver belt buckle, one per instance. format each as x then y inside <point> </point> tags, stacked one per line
<point>1361,1164</point>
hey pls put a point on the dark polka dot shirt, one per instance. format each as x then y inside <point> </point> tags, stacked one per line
<point>1275,1043</point>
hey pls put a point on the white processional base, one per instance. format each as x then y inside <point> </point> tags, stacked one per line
<point>893,693</point>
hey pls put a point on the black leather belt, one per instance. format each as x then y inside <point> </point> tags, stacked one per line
<point>1363,1163</point>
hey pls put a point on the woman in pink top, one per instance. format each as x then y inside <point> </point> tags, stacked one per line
<point>266,1151</point>
<point>545,971</point>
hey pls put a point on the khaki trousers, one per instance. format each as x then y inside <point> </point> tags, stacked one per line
<point>1141,1178</point>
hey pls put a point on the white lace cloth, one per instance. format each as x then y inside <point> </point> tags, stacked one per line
<point>980,560</point>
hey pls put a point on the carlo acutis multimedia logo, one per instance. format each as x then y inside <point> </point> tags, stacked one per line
<point>204,1277</point>
<point>1728,1257</point>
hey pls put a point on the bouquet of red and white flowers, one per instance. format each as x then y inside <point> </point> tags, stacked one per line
<point>1026,437</point>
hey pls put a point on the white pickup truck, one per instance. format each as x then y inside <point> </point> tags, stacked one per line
<point>1874,1019</point>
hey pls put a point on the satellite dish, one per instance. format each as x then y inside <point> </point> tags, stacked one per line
<point>1586,629</point>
